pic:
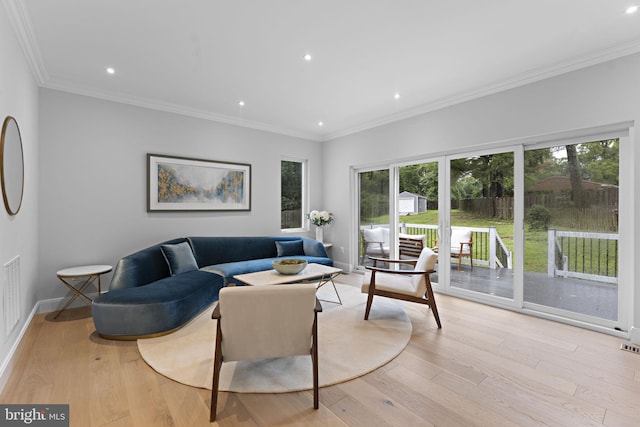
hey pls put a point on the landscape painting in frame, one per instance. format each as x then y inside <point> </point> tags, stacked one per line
<point>184,184</point>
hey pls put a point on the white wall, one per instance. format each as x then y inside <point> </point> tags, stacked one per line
<point>19,233</point>
<point>93,177</point>
<point>600,95</point>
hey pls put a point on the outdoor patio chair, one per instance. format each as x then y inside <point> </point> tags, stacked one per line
<point>260,322</point>
<point>375,242</point>
<point>410,246</point>
<point>461,244</point>
<point>407,285</point>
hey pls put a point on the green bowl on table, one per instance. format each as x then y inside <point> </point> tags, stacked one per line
<point>289,265</point>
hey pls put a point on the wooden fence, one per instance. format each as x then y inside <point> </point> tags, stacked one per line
<point>601,213</point>
<point>291,219</point>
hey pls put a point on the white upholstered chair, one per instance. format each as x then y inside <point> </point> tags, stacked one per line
<point>259,322</point>
<point>375,242</point>
<point>408,285</point>
<point>461,244</point>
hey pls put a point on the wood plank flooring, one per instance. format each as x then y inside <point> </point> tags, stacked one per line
<point>485,367</point>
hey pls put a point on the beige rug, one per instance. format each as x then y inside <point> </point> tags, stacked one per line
<point>348,347</point>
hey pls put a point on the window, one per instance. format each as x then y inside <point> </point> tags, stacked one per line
<point>292,194</point>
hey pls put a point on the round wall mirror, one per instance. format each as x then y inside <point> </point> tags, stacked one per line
<point>11,165</point>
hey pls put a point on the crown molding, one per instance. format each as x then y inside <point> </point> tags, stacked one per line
<point>177,109</point>
<point>565,67</point>
<point>23,29</point>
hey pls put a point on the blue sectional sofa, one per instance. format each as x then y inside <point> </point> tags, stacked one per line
<point>160,288</point>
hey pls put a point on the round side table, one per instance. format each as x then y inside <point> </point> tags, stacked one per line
<point>88,273</point>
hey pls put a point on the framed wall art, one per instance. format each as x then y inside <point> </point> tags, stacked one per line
<point>186,184</point>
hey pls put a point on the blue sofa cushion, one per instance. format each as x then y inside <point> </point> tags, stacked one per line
<point>142,267</point>
<point>179,257</point>
<point>218,250</point>
<point>290,248</point>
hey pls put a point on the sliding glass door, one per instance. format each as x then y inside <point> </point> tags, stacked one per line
<point>374,224</point>
<point>571,234</point>
<point>417,211</point>
<point>481,232</point>
<point>532,226</point>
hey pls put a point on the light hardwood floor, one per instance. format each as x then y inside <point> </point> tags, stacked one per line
<point>485,367</point>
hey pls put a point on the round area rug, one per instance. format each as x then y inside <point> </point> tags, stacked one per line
<point>348,347</point>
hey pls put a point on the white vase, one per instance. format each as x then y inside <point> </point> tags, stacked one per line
<point>319,234</point>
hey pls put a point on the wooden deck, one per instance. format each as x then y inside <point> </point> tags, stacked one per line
<point>575,295</point>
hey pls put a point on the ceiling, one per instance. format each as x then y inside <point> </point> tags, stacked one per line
<point>202,57</point>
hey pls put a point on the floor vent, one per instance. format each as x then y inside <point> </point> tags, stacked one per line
<point>11,295</point>
<point>630,347</point>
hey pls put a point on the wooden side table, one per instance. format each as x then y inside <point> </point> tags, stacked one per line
<point>88,273</point>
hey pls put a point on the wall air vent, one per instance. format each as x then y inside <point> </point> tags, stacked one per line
<point>11,295</point>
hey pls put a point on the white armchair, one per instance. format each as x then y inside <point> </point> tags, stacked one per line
<point>408,285</point>
<point>259,322</point>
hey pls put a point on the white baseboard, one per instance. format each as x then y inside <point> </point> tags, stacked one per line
<point>7,363</point>
<point>634,335</point>
<point>343,266</point>
<point>55,304</point>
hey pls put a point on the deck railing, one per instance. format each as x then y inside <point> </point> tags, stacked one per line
<point>591,256</point>
<point>488,248</point>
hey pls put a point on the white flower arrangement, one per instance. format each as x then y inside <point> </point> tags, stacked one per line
<point>320,218</point>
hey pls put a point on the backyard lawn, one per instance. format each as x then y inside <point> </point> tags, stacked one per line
<point>600,259</point>
<point>535,244</point>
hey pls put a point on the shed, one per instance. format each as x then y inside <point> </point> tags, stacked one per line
<point>410,203</point>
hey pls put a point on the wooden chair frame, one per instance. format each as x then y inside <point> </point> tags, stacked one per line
<point>219,358</point>
<point>410,246</point>
<point>428,298</point>
<point>461,254</point>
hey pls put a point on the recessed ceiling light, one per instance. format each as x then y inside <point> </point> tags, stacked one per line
<point>307,57</point>
<point>241,103</point>
<point>320,124</point>
<point>631,9</point>
<point>396,96</point>
<point>110,70</point>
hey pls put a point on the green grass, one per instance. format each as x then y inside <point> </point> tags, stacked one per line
<point>535,242</point>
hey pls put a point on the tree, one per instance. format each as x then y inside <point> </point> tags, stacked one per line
<point>290,188</point>
<point>466,187</point>
<point>493,171</point>
<point>420,179</point>
<point>577,192</point>
<point>599,161</point>
<point>374,194</point>
<point>542,163</point>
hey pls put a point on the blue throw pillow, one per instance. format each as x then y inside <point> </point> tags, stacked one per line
<point>179,257</point>
<point>290,248</point>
